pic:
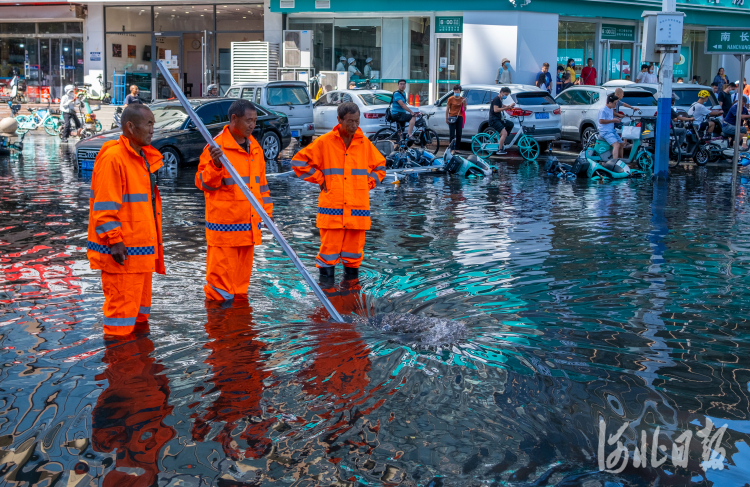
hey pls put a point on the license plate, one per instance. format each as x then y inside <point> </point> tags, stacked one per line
<point>87,164</point>
<point>543,115</point>
<point>295,133</point>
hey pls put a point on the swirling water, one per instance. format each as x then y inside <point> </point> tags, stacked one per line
<point>542,307</point>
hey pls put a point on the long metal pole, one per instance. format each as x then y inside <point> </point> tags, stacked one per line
<point>249,195</point>
<point>738,124</point>
<point>664,107</point>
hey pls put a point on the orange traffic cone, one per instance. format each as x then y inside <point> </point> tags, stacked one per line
<point>416,100</point>
<point>411,99</point>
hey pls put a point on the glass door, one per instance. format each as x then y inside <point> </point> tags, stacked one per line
<point>620,58</point>
<point>167,48</point>
<point>448,64</point>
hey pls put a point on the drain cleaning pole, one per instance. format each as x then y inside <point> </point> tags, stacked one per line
<point>250,197</point>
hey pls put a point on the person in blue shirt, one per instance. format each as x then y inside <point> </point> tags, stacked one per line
<point>547,78</point>
<point>400,110</point>
<point>730,121</point>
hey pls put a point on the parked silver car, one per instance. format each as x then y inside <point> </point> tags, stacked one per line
<point>580,107</point>
<point>685,94</point>
<point>543,112</point>
<point>290,98</point>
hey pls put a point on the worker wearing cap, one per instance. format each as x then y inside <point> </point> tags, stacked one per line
<point>124,233</point>
<point>353,71</point>
<point>368,68</point>
<point>346,166</point>
<point>232,225</point>
<point>341,66</point>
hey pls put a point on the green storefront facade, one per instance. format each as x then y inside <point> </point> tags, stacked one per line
<point>437,43</point>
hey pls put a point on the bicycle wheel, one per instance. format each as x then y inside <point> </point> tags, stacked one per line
<point>430,141</point>
<point>52,125</point>
<point>645,161</point>
<point>479,145</point>
<point>528,147</point>
<point>386,133</point>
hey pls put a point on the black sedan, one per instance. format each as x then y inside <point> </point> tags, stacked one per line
<point>177,138</point>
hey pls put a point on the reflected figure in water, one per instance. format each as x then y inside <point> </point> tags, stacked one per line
<point>129,414</point>
<point>238,376</point>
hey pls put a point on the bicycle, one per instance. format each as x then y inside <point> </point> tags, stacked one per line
<point>427,139</point>
<point>48,118</point>
<point>643,149</point>
<point>487,143</point>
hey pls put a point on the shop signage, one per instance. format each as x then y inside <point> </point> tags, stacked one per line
<point>95,56</point>
<point>616,32</point>
<point>449,81</point>
<point>449,25</point>
<point>727,41</point>
<point>395,80</point>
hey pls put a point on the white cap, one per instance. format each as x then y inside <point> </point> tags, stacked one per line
<point>351,60</point>
<point>342,58</point>
<point>368,60</point>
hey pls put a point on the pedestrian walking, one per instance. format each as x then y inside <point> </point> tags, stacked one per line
<point>588,73</point>
<point>544,78</point>
<point>497,119</point>
<point>68,104</point>
<point>124,231</point>
<point>132,97</point>
<point>504,76</point>
<point>346,166</point>
<point>721,78</point>
<point>571,69</point>
<point>232,225</point>
<point>454,108</point>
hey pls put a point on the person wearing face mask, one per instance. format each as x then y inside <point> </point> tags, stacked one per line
<point>453,117</point>
<point>571,68</point>
<point>503,76</point>
<point>368,68</point>
<point>651,77</point>
<point>341,66</point>
<point>497,118</point>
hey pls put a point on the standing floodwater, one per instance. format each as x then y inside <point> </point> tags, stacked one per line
<point>545,307</point>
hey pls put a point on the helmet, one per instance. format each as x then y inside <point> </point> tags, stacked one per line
<point>703,94</point>
<point>351,60</point>
<point>69,88</point>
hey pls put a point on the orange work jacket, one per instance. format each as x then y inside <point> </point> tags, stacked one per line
<point>230,219</point>
<point>121,209</point>
<point>349,175</point>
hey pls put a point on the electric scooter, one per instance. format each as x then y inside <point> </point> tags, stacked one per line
<point>468,167</point>
<point>597,163</point>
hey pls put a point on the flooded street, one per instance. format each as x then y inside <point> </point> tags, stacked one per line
<point>558,318</point>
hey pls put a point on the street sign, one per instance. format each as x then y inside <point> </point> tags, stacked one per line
<point>449,25</point>
<point>727,40</point>
<point>616,32</point>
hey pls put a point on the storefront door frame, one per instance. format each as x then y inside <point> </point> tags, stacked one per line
<point>155,56</point>
<point>435,64</point>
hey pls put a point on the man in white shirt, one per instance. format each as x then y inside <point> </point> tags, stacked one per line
<point>340,66</point>
<point>606,125</point>
<point>68,104</point>
<point>368,68</point>
<point>701,112</point>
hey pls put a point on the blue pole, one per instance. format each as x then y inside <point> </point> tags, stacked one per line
<point>663,118</point>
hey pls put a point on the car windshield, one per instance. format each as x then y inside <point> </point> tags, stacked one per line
<point>639,99</point>
<point>688,97</point>
<point>287,95</point>
<point>373,99</point>
<point>534,98</point>
<point>169,116</point>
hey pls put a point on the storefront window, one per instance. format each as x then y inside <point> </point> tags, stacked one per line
<point>239,17</point>
<point>18,28</point>
<point>322,55</point>
<point>692,60</point>
<point>419,58</point>
<point>187,17</point>
<point>131,54</point>
<point>575,40</point>
<point>128,19</point>
<point>358,39</point>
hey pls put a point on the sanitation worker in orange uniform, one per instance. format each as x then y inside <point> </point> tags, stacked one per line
<point>346,166</point>
<point>232,226</point>
<point>124,235</point>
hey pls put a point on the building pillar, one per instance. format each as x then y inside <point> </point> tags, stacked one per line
<point>272,25</point>
<point>93,42</point>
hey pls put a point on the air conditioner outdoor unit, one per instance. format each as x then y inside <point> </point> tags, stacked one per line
<point>297,48</point>
<point>254,61</point>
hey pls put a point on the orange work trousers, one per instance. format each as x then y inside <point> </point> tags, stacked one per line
<point>127,300</point>
<point>341,244</point>
<point>228,272</point>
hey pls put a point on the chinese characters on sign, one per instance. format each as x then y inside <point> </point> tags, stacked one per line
<point>713,454</point>
<point>727,41</point>
<point>616,32</point>
<point>449,25</point>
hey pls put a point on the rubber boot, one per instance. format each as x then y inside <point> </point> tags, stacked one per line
<point>327,273</point>
<point>351,272</point>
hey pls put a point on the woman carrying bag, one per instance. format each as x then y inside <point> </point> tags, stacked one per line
<point>454,116</point>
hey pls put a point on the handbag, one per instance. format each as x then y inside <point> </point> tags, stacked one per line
<point>631,132</point>
<point>452,120</point>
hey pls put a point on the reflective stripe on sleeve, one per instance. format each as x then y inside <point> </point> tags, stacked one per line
<point>205,186</point>
<point>135,198</point>
<point>311,172</point>
<point>374,178</point>
<point>257,179</point>
<point>105,227</point>
<point>106,206</point>
<point>264,188</point>
<point>267,199</point>
<point>380,168</point>
<point>144,310</point>
<point>297,163</point>
<point>91,195</point>
<point>360,172</point>
<point>334,171</point>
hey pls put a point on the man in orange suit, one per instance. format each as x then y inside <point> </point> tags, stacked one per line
<point>346,166</point>
<point>232,226</point>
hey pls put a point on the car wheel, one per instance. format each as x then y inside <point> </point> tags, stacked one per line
<point>170,163</point>
<point>588,137</point>
<point>306,140</point>
<point>271,146</point>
